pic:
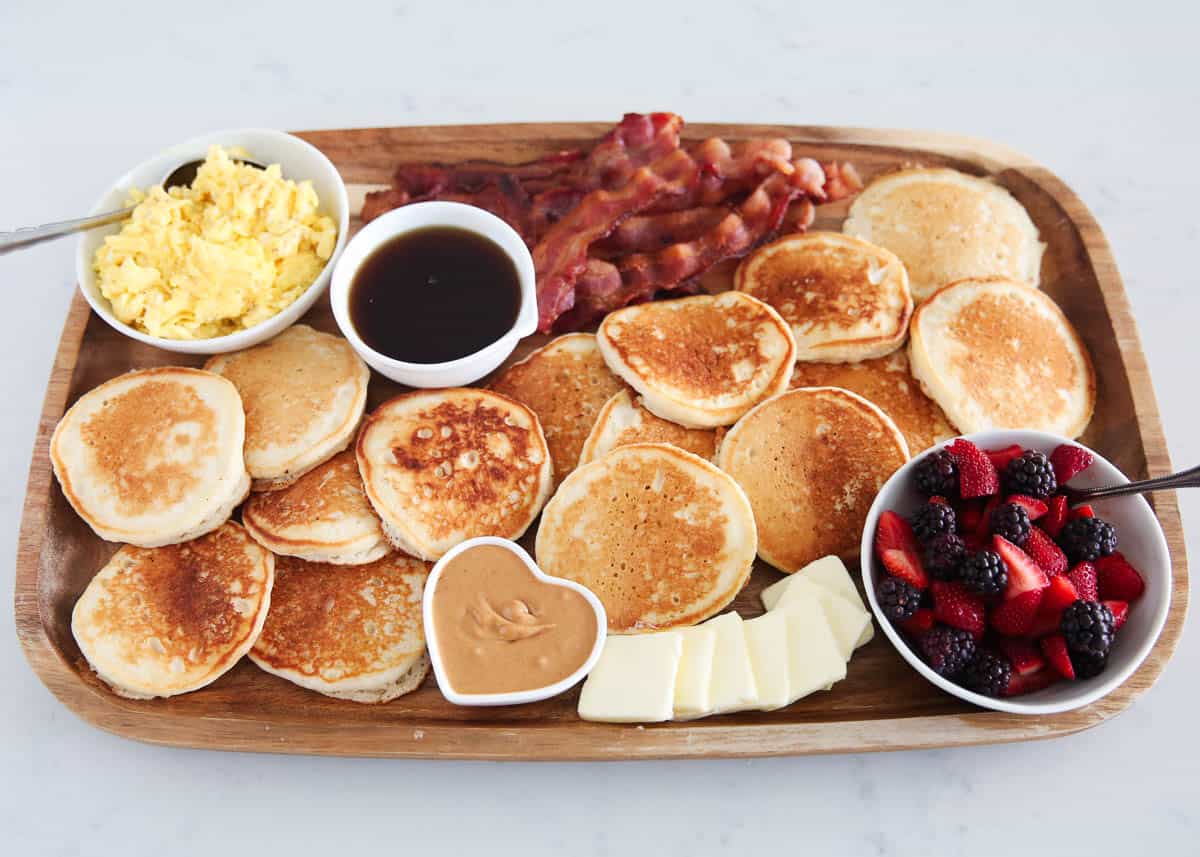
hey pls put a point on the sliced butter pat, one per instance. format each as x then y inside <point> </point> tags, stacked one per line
<point>693,686</point>
<point>814,661</point>
<point>634,680</point>
<point>847,620</point>
<point>829,572</point>
<point>733,687</point>
<point>767,641</point>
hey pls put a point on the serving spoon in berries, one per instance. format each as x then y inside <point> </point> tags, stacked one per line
<point>1184,479</point>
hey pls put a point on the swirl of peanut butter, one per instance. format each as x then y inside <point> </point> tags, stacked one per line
<point>512,621</point>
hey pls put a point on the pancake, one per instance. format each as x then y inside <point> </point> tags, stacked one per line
<point>565,383</point>
<point>351,632</point>
<point>997,354</point>
<point>442,466</point>
<point>164,621</point>
<point>887,383</point>
<point>304,393</point>
<point>154,457</point>
<point>623,420</point>
<point>324,516</point>
<point>662,537</point>
<point>701,361</point>
<point>845,298</point>
<point>811,461</point>
<point>946,226</point>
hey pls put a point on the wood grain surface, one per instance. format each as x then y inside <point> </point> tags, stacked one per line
<point>882,704</point>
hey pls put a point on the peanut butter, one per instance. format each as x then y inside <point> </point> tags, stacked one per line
<point>500,629</point>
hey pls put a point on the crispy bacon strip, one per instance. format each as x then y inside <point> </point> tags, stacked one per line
<point>638,140</point>
<point>561,255</point>
<point>503,196</point>
<point>645,233</point>
<point>841,180</point>
<point>729,170</point>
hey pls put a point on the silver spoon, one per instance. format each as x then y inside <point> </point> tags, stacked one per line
<point>181,176</point>
<point>1183,479</point>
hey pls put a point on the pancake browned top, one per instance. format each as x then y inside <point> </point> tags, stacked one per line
<point>162,621</point>
<point>886,382</point>
<point>623,420</point>
<point>565,383</point>
<point>811,461</point>
<point>441,466</point>
<point>339,627</point>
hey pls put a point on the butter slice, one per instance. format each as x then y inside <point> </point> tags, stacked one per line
<point>767,641</point>
<point>847,620</point>
<point>693,686</point>
<point>733,687</point>
<point>634,680</point>
<point>829,571</point>
<point>814,661</point>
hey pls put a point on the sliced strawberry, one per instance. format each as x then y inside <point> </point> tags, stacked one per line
<point>1059,595</point>
<point>1056,516</point>
<point>941,501</point>
<point>918,623</point>
<point>1023,573</point>
<point>1001,457</point>
<point>1117,579</point>
<point>1054,647</point>
<point>983,529</point>
<point>977,476</point>
<point>1120,611</point>
<point>897,550</point>
<point>1084,578</point>
<point>1069,461</point>
<point>1025,657</point>
<point>1045,552</point>
<point>1084,511</point>
<point>969,516</point>
<point>957,606</point>
<point>1035,507</point>
<point>1014,617</point>
<point>1019,685</point>
<point>1044,622</point>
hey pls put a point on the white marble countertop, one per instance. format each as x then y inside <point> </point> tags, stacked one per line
<point>1103,94</point>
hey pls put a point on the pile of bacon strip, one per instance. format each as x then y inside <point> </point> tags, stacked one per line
<point>638,216</point>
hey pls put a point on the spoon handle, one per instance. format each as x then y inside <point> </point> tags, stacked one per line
<point>1184,479</point>
<point>30,235</point>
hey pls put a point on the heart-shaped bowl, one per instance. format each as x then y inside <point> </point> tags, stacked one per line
<point>1140,539</point>
<point>516,697</point>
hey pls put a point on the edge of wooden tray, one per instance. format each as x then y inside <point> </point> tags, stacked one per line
<point>432,739</point>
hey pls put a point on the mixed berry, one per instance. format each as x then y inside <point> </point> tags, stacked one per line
<point>994,580</point>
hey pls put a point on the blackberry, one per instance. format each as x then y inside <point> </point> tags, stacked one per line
<point>989,674</point>
<point>1011,521</point>
<point>1088,627</point>
<point>898,599</point>
<point>947,650</point>
<point>985,573</point>
<point>943,556</point>
<point>1087,539</point>
<point>1088,666</point>
<point>933,519</point>
<point>1031,473</point>
<point>937,474</point>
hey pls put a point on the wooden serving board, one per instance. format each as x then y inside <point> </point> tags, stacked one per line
<point>882,704</point>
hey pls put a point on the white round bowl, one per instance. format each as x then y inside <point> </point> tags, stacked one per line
<point>298,160</point>
<point>419,215</point>
<point>516,697</point>
<point>1140,538</point>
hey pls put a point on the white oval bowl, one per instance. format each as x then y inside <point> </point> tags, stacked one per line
<point>419,215</point>
<point>516,697</point>
<point>1140,539</point>
<point>297,159</point>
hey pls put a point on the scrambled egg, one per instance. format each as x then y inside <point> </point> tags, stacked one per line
<point>235,248</point>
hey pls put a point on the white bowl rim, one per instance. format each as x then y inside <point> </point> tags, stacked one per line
<point>516,697</point>
<point>230,341</point>
<point>1102,685</point>
<point>433,213</point>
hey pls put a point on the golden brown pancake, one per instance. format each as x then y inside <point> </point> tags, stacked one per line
<point>995,353</point>
<point>661,536</point>
<point>168,620</point>
<point>845,298</point>
<point>565,383</point>
<point>811,461</point>
<point>886,382</point>
<point>304,392</point>
<point>441,466</point>
<point>323,516</point>
<point>623,420</point>
<point>352,632</point>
